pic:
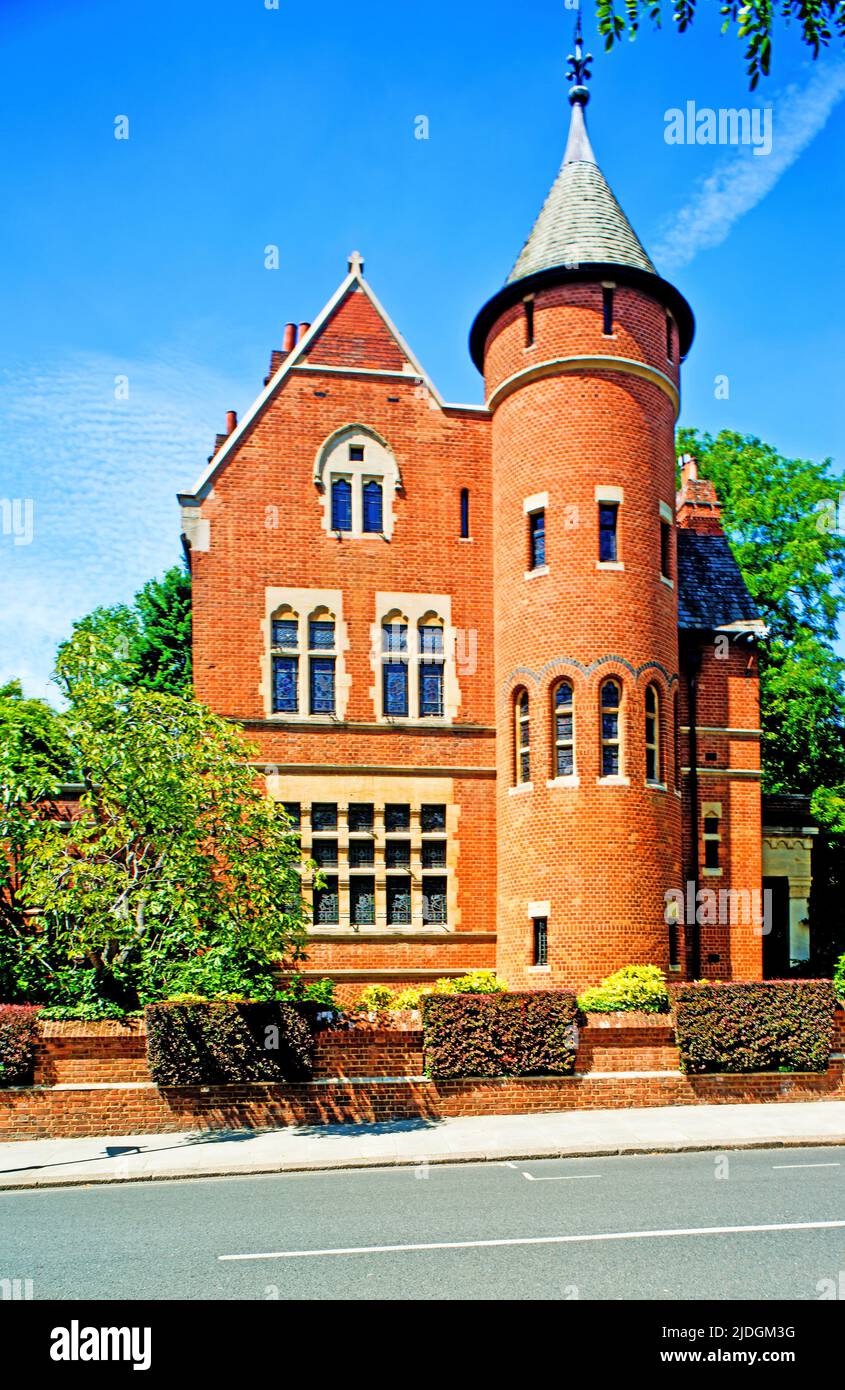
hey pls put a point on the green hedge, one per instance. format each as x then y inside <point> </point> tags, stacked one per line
<point>218,1043</point>
<point>18,1037</point>
<point>778,1025</point>
<point>500,1034</point>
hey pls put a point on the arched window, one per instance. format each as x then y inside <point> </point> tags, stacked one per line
<point>284,641</point>
<point>341,504</point>
<point>611,740</point>
<point>321,662</point>
<point>373,494</point>
<point>563,713</point>
<point>395,665</point>
<point>522,738</point>
<point>432,659</point>
<point>652,735</point>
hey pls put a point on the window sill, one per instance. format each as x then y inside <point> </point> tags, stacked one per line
<point>617,565</point>
<point>670,583</point>
<point>523,787</point>
<point>535,574</point>
<point>573,781</point>
<point>676,969</point>
<point>538,970</point>
<point>712,873</point>
<point>466,540</point>
<point>613,781</point>
<point>657,786</point>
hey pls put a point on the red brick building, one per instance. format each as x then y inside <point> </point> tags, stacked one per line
<point>503,679</point>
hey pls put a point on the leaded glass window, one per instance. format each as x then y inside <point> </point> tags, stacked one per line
<point>434,900</point>
<point>362,900</point>
<point>341,505</point>
<point>285,684</point>
<point>322,685</point>
<point>399,901</point>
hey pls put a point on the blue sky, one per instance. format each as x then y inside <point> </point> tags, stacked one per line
<point>252,126</point>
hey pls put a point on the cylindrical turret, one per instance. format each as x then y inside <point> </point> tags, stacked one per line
<point>580,353</point>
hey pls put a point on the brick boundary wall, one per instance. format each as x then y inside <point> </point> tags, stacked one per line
<point>366,1076</point>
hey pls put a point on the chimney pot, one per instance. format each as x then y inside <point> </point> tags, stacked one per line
<point>303,329</point>
<point>289,342</point>
<point>231,421</point>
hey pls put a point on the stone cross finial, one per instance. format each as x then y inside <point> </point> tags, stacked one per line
<point>356,263</point>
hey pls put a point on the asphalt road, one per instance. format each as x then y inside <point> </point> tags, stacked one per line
<point>571,1228</point>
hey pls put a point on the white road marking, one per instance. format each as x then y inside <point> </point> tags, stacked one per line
<point>806,1165</point>
<point>543,1240</point>
<point>563,1177</point>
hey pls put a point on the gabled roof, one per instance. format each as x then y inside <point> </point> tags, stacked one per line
<point>712,593</point>
<point>337,341</point>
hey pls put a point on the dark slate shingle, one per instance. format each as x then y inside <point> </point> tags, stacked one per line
<point>711,590</point>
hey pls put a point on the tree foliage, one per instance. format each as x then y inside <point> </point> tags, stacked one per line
<point>147,644</point>
<point>178,874</point>
<point>753,21</point>
<point>776,512</point>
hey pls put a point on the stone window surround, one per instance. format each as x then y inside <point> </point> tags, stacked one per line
<point>711,810</point>
<point>417,610</point>
<point>379,792</point>
<point>378,465</point>
<point>615,496</point>
<point>305,604</point>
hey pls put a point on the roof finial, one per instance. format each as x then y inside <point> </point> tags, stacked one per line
<point>356,263</point>
<point>579,67</point>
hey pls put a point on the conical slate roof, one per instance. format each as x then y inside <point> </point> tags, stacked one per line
<point>581,222</point>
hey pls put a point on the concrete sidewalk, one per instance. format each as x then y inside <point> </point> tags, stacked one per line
<point>677,1129</point>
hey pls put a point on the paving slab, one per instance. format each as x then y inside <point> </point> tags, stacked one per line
<point>489,1138</point>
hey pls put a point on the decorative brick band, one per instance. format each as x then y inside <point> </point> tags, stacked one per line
<point>557,366</point>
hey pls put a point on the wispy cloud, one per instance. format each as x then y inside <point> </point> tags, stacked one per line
<point>102,474</point>
<point>742,180</point>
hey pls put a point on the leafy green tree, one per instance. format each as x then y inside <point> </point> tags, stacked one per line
<point>753,20</point>
<point>178,874</point>
<point>34,760</point>
<point>149,641</point>
<point>776,513</point>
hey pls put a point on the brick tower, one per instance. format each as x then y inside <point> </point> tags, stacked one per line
<point>581,355</point>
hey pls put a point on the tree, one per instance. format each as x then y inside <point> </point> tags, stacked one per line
<point>150,640</point>
<point>178,873</point>
<point>776,514</point>
<point>34,760</point>
<point>754,21</point>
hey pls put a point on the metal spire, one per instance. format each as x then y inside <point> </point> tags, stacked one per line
<point>579,67</point>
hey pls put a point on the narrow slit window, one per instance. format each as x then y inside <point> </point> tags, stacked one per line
<point>676,734</point>
<point>608,532</point>
<point>465,513</point>
<point>607,310</point>
<point>540,952</point>
<point>712,840</point>
<point>670,338</point>
<point>529,322</point>
<point>666,549</point>
<point>652,734</point>
<point>522,738</point>
<point>611,742</point>
<point>536,540</point>
<point>564,730</point>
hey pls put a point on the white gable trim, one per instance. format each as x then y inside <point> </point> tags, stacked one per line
<point>354,280</point>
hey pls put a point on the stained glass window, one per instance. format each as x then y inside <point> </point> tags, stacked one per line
<point>397,854</point>
<point>432,819</point>
<point>397,818</point>
<point>286,633</point>
<point>434,900</point>
<point>362,900</point>
<point>285,681</point>
<point>611,696</point>
<point>341,505</point>
<point>395,676</point>
<point>431,641</point>
<point>372,500</point>
<point>361,817</point>
<point>399,901</point>
<point>321,634</point>
<point>323,816</point>
<point>326,906</point>
<point>322,685</point>
<point>431,690</point>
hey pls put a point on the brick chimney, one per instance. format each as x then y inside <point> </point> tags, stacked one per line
<point>696,505</point>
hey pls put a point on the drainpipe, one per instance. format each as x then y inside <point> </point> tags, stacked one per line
<point>693,931</point>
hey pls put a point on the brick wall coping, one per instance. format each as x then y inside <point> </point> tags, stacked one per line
<point>630,1020</point>
<point>85,1028</point>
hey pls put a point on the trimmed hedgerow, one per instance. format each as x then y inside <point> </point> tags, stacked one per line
<point>776,1025</point>
<point>221,1043</point>
<point>18,1037</point>
<point>500,1034</point>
